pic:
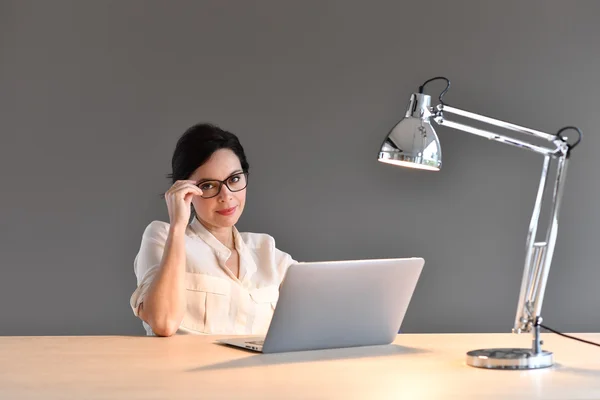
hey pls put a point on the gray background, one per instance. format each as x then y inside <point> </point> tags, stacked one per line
<point>94,94</point>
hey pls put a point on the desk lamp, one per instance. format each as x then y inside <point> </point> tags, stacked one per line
<point>413,143</point>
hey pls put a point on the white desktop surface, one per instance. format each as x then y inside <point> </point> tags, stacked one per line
<point>424,366</point>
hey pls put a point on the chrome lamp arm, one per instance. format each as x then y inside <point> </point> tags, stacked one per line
<point>539,254</point>
<point>412,142</point>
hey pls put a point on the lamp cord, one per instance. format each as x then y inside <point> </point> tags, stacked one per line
<point>571,146</point>
<point>569,336</point>
<point>422,87</point>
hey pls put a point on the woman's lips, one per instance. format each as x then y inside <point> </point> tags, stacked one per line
<point>227,211</point>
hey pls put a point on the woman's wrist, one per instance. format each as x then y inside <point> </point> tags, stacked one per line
<point>177,228</point>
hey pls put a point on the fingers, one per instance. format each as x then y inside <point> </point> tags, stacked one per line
<point>180,183</point>
<point>184,187</point>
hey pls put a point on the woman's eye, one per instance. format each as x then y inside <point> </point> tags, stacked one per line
<point>206,186</point>
<point>234,179</point>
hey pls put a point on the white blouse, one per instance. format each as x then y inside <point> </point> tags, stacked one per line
<point>217,301</point>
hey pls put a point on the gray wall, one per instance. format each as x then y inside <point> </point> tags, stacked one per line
<point>94,94</point>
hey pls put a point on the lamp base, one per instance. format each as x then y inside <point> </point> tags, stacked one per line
<point>510,358</point>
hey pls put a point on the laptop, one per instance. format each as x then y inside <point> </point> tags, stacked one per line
<point>336,304</point>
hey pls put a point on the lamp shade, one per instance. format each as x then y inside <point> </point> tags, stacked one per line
<point>413,141</point>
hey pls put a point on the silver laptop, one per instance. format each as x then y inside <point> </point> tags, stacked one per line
<point>324,305</point>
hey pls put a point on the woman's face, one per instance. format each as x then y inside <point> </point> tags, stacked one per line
<point>223,210</point>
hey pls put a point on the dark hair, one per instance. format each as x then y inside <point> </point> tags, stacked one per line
<point>197,145</point>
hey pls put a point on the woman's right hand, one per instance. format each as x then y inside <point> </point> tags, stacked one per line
<point>179,200</point>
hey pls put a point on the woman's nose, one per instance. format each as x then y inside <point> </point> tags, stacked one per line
<point>224,194</point>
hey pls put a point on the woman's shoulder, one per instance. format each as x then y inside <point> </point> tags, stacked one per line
<point>264,246</point>
<point>156,230</point>
<point>256,240</point>
<point>159,230</point>
<point>157,226</point>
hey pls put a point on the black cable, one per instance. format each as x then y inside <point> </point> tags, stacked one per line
<point>433,79</point>
<point>571,146</point>
<point>569,336</point>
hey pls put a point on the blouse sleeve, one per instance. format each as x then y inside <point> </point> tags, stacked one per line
<point>283,261</point>
<point>147,261</point>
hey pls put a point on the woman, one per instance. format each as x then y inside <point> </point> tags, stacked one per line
<point>203,276</point>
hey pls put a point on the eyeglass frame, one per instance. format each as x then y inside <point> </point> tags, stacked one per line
<point>245,173</point>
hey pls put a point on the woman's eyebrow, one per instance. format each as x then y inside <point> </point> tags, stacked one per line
<point>238,171</point>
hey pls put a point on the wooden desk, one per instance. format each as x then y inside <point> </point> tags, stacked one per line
<point>193,367</point>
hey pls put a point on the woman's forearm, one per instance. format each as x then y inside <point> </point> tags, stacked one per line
<point>164,305</point>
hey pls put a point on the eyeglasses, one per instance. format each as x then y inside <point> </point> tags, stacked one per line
<point>235,183</point>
